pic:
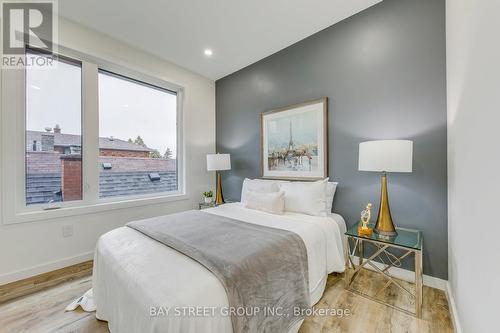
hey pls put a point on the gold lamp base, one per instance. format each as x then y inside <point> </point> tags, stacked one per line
<point>219,198</point>
<point>384,225</point>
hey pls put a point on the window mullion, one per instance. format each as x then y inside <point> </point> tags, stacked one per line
<point>90,130</point>
<point>12,133</point>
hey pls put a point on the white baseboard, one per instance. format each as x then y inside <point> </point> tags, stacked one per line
<point>44,268</point>
<point>407,275</point>
<point>453,309</point>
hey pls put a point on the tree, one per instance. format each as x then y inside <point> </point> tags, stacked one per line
<point>139,141</point>
<point>130,140</point>
<point>154,154</point>
<point>168,153</point>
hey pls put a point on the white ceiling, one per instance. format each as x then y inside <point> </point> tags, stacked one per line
<point>240,32</point>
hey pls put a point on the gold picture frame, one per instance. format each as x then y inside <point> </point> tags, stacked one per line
<point>294,141</point>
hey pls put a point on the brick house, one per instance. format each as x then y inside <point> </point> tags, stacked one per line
<point>56,141</point>
<point>54,168</point>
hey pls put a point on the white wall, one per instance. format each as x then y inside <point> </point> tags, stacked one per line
<point>473,61</point>
<point>31,248</point>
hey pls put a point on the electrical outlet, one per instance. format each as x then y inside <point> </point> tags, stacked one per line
<point>67,230</point>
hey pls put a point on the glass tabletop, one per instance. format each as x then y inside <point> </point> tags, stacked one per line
<point>213,204</point>
<point>408,238</point>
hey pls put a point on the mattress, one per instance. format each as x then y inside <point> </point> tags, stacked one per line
<point>141,285</point>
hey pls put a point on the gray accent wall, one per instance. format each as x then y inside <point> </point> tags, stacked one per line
<point>384,72</point>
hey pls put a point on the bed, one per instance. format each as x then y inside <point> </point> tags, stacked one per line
<point>141,285</point>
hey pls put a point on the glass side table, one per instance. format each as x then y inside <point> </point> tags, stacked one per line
<point>408,241</point>
<point>204,205</point>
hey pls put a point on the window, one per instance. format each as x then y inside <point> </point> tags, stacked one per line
<point>77,139</point>
<point>53,158</point>
<point>137,137</point>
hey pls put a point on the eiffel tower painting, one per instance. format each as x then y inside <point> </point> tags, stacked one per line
<point>294,144</point>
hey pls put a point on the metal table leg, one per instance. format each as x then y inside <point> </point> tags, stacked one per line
<point>361,252</point>
<point>418,284</point>
<point>347,254</point>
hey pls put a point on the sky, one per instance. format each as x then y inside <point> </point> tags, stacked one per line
<point>126,109</point>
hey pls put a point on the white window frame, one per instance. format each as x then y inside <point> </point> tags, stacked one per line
<point>13,145</point>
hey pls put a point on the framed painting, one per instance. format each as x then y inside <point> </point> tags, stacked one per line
<point>294,141</point>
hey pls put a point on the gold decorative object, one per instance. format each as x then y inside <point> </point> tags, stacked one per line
<point>384,225</point>
<point>366,214</point>
<point>219,198</point>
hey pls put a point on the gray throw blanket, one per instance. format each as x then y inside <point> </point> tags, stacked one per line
<point>264,270</point>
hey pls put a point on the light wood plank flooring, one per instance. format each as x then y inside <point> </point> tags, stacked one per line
<point>369,316</point>
<point>43,281</point>
<point>44,311</point>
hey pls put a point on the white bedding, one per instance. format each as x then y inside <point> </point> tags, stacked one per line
<point>133,273</point>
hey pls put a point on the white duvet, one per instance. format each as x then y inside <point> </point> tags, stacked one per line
<point>141,285</point>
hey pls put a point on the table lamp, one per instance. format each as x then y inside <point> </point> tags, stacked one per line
<point>385,156</point>
<point>218,162</point>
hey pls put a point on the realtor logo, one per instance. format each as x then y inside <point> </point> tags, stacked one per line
<point>27,24</point>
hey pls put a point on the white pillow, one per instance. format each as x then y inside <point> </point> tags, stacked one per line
<point>306,197</point>
<point>257,185</point>
<point>331,187</point>
<point>272,202</point>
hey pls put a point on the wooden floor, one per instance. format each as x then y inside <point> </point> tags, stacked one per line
<point>369,316</point>
<point>43,281</point>
<point>44,311</point>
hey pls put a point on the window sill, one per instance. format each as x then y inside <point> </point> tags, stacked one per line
<point>102,206</point>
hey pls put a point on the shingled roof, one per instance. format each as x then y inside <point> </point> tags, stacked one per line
<point>127,176</point>
<point>72,140</point>
<point>135,183</point>
<point>42,188</point>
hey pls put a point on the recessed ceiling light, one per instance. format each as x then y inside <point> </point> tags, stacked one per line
<point>208,52</point>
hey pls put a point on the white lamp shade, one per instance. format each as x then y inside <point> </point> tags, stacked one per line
<point>386,155</point>
<point>218,162</point>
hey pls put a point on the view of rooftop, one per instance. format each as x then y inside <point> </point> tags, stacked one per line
<point>53,167</point>
<point>137,136</point>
